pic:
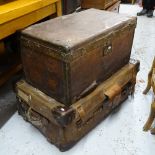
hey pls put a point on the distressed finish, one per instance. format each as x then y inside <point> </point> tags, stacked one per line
<point>69,56</point>
<point>98,4</point>
<point>64,126</point>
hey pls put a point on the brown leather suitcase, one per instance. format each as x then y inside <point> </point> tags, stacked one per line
<point>64,126</point>
<point>67,57</point>
<point>97,4</point>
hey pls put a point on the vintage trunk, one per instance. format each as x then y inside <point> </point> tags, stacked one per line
<point>69,56</point>
<point>97,4</point>
<point>63,125</point>
<point>114,7</point>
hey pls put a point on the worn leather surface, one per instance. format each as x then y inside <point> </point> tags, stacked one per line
<point>64,126</point>
<point>63,57</point>
<point>73,30</point>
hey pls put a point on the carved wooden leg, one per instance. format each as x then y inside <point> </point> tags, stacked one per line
<point>149,78</point>
<point>151,118</point>
<point>148,83</point>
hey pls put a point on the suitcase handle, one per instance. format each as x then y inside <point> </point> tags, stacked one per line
<point>86,120</point>
<point>113,91</point>
<point>110,95</point>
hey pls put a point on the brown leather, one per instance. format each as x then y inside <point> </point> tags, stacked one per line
<point>64,126</point>
<point>63,57</point>
<point>72,31</point>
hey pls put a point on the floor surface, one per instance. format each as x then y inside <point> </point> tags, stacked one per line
<point>120,134</point>
<point>7,103</point>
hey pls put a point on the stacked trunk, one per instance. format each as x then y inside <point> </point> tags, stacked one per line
<point>110,5</point>
<point>70,6</point>
<point>80,66</point>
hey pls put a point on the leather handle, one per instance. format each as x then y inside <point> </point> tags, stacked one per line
<point>113,91</point>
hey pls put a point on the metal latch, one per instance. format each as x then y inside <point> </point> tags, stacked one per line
<point>107,49</point>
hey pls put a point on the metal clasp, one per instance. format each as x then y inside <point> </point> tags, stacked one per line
<point>107,49</point>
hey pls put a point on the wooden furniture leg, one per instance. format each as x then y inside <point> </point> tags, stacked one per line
<point>133,1</point>
<point>149,122</point>
<point>149,78</point>
<point>151,83</point>
<point>59,8</point>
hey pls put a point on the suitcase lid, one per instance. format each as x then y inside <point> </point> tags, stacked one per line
<point>69,32</point>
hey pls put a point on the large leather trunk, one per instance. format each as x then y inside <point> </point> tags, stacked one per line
<point>64,126</point>
<point>69,56</point>
<point>98,4</point>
